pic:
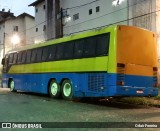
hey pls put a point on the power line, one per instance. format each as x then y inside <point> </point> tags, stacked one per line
<point>117,22</point>
<point>81,5</point>
<point>105,14</point>
<point>83,21</point>
<point>87,20</point>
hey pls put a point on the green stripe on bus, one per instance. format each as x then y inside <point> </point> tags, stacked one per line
<point>78,65</point>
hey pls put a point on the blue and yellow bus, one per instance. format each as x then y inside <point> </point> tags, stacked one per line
<point>107,62</point>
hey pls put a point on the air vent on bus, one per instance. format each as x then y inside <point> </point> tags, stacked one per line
<point>96,82</point>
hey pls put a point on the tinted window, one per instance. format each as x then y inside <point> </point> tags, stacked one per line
<point>23,56</point>
<point>15,58</point>
<point>45,53</point>
<point>59,51</point>
<point>68,50</point>
<point>89,47</point>
<point>78,48</point>
<point>102,44</point>
<point>52,52</point>
<point>33,56</point>
<point>39,55</point>
<point>10,58</point>
<point>19,57</point>
<point>28,60</point>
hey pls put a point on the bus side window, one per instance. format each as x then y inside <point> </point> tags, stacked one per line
<point>19,58</point>
<point>33,56</point>
<point>10,58</point>
<point>28,60</point>
<point>78,48</point>
<point>6,61</point>
<point>89,47</point>
<point>15,58</point>
<point>102,44</point>
<point>68,50</point>
<point>45,53</point>
<point>59,51</point>
<point>39,55</point>
<point>52,52</point>
<point>23,56</point>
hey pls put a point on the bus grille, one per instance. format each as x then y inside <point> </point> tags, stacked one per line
<point>96,82</point>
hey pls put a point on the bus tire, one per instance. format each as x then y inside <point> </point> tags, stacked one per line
<point>67,90</point>
<point>54,89</point>
<point>12,85</point>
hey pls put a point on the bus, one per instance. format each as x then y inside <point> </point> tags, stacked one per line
<point>112,61</point>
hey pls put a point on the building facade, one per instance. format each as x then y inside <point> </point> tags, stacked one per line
<point>20,26</point>
<point>40,21</point>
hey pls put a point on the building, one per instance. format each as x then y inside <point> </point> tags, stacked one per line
<point>47,26</point>
<point>21,26</point>
<point>89,14</point>
<point>40,21</point>
<point>5,15</point>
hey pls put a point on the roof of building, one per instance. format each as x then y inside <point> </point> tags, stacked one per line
<point>36,2</point>
<point>25,14</point>
<point>4,15</point>
<point>21,15</point>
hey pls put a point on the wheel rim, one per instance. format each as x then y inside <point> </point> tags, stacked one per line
<point>54,88</point>
<point>12,85</point>
<point>67,89</point>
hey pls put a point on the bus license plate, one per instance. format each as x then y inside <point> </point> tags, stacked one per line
<point>139,92</point>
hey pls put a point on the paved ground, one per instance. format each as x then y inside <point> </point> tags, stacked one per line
<point>26,107</point>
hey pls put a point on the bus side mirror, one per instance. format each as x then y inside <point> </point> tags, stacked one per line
<point>3,61</point>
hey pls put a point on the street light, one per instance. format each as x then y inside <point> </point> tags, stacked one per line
<point>15,40</point>
<point>117,2</point>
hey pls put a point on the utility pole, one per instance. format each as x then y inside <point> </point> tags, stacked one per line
<point>4,37</point>
<point>53,25</point>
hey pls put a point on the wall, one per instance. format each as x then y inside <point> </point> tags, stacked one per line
<point>40,19</point>
<point>29,34</point>
<point>96,19</point>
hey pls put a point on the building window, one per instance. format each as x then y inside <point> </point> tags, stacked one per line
<point>75,16</point>
<point>15,28</point>
<point>98,9</point>
<point>36,29</point>
<point>36,10</point>
<point>44,27</point>
<point>44,7</point>
<point>90,11</point>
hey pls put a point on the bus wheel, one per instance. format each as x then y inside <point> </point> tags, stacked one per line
<point>12,86</point>
<point>67,90</point>
<point>54,89</point>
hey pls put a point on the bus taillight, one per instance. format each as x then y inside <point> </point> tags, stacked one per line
<point>155,75</point>
<point>120,74</point>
